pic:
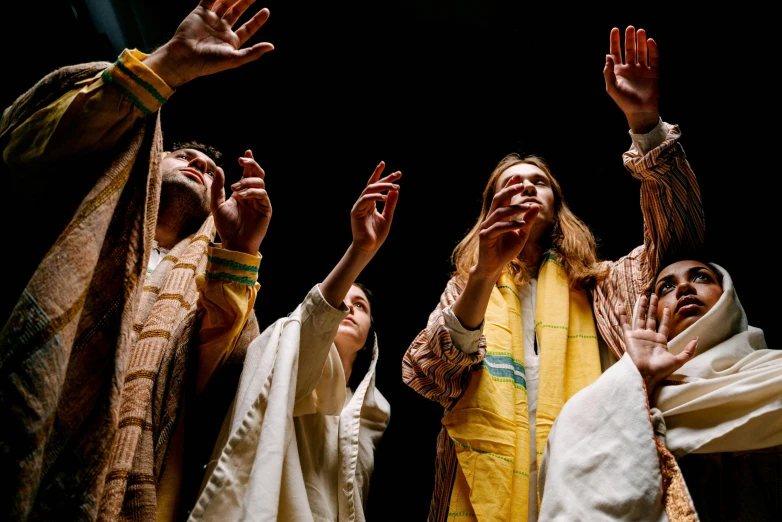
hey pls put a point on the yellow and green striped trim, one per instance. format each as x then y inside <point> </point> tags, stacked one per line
<point>231,278</point>
<point>137,82</point>
<point>540,324</point>
<point>230,263</point>
<point>231,266</point>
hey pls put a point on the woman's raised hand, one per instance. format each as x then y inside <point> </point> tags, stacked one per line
<point>370,226</point>
<point>647,344</point>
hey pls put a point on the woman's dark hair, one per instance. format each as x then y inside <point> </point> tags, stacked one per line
<point>364,355</point>
<point>702,254</point>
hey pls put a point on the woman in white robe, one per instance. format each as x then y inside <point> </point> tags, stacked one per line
<point>686,426</point>
<point>299,441</point>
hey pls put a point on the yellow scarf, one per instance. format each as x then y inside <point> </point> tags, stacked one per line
<point>490,424</point>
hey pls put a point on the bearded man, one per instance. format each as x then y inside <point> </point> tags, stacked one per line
<point>121,317</point>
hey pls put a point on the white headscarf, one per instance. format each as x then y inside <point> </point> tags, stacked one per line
<point>731,396</point>
<point>602,461</point>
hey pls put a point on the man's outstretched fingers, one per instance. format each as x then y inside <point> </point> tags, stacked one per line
<point>218,189</point>
<point>251,26</point>
<point>235,12</point>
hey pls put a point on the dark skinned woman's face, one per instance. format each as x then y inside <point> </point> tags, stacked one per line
<point>688,289</point>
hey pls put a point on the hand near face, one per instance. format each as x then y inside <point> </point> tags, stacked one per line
<point>648,346</point>
<point>633,83</point>
<point>243,219</point>
<point>370,227</point>
<point>205,42</point>
<point>505,230</point>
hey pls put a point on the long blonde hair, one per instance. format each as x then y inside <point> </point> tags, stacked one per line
<point>570,239</point>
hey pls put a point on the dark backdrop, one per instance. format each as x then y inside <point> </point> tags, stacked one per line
<point>441,90</point>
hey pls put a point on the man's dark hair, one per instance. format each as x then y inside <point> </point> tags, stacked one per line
<point>200,147</point>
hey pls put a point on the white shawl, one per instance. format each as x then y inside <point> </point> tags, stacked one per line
<point>732,399</point>
<point>292,371</point>
<point>602,459</point>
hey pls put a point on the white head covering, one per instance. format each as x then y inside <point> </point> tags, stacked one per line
<point>729,396</point>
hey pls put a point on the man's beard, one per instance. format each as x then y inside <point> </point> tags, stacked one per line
<point>184,203</point>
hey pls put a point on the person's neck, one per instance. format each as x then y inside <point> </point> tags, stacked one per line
<point>172,227</point>
<point>168,231</point>
<point>538,243</point>
<point>532,255</point>
<point>347,362</point>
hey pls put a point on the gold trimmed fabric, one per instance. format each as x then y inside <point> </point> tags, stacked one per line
<point>137,82</point>
<point>156,365</point>
<point>64,346</point>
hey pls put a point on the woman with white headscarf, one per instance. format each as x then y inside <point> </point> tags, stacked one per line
<point>686,426</point>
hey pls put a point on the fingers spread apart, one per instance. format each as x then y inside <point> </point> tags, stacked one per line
<point>217,192</point>
<point>639,49</point>
<point>235,11</point>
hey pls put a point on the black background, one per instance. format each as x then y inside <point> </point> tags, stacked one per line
<point>441,90</point>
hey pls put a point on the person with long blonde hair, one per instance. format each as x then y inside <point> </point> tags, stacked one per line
<point>528,317</point>
<point>568,235</point>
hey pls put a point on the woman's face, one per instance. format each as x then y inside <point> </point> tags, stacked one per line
<point>688,289</point>
<point>354,329</point>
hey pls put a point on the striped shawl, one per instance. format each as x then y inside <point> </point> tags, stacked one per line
<point>164,335</point>
<point>88,385</point>
<point>65,345</point>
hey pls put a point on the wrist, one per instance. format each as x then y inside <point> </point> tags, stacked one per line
<point>239,247</point>
<point>643,122</point>
<point>360,254</point>
<point>651,384</point>
<point>479,276</point>
<point>167,62</point>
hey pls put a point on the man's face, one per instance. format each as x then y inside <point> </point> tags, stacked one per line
<point>187,179</point>
<point>192,164</point>
<point>537,190</point>
<point>688,289</point>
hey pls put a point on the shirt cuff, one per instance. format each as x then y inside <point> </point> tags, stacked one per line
<point>652,139</point>
<point>232,266</point>
<point>137,82</point>
<point>317,293</point>
<point>467,341</point>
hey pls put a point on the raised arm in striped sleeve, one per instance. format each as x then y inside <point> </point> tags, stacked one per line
<point>674,223</point>
<point>670,200</point>
<point>432,365</point>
